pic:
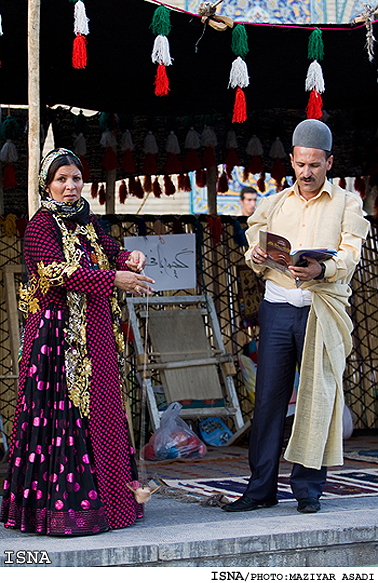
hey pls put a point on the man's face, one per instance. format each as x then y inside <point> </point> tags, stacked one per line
<point>310,166</point>
<point>248,203</point>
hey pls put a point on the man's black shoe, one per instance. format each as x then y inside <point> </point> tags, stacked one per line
<point>244,504</point>
<point>308,505</point>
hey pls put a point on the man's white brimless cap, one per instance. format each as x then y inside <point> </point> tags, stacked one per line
<point>312,133</point>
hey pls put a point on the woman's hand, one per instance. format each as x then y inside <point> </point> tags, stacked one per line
<point>136,261</point>
<point>134,283</point>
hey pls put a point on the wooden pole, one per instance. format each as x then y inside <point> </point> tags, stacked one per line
<point>211,179</point>
<point>34,147</point>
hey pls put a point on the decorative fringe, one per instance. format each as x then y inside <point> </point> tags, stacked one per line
<point>161,21</point>
<point>169,187</point>
<point>314,79</point>
<point>183,183</point>
<point>161,81</point>
<point>223,183</point>
<point>147,184</point>
<point>314,106</point>
<point>261,182</point>
<point>191,161</point>
<point>132,185</point>
<point>173,164</point>
<point>201,178</point>
<point>102,195</point>
<point>122,192</point>
<point>239,74</point>
<point>79,52</point>
<point>192,140</point>
<point>94,189</point>
<point>80,19</point>
<point>9,176</point>
<point>239,42</point>
<point>138,190</point>
<point>255,165</point>
<point>160,52</point>
<point>150,165</point>
<point>10,130</point>
<point>315,46</point>
<point>156,188</point>
<point>278,171</point>
<point>240,107</point>
<point>231,160</point>
<point>8,152</point>
<point>109,159</point>
<point>277,150</point>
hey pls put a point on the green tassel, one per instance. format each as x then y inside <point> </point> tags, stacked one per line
<point>239,43</point>
<point>105,122</point>
<point>315,45</point>
<point>10,130</point>
<point>161,21</point>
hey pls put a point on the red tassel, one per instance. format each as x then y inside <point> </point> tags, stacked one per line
<point>87,172</point>
<point>342,183</point>
<point>223,183</point>
<point>177,228</point>
<point>94,189</point>
<point>156,188</point>
<point>209,157</point>
<point>132,186</point>
<point>255,165</point>
<point>138,190</point>
<point>128,162</point>
<point>191,161</point>
<point>169,187</point>
<point>215,226</point>
<point>201,178</point>
<point>183,183</point>
<point>150,164</point>
<point>161,81</point>
<point>9,176</point>
<point>231,161</point>
<point>147,184</point>
<point>109,159</point>
<point>278,171</point>
<point>314,107</point>
<point>360,185</point>
<point>122,192</point>
<point>79,53</point>
<point>102,194</point>
<point>240,107</point>
<point>261,182</point>
<point>173,164</point>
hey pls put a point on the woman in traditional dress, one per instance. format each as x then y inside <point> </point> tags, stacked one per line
<point>70,454</point>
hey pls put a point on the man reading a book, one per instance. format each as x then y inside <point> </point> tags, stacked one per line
<point>303,321</point>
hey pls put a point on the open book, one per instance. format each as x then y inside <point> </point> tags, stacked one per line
<point>280,254</point>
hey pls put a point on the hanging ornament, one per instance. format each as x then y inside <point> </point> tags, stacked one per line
<point>138,190</point>
<point>277,152</point>
<point>314,79</point>
<point>161,27</point>
<point>231,160</point>
<point>239,78</point>
<point>122,192</point>
<point>222,185</point>
<point>172,146</point>
<point>192,161</point>
<point>156,188</point>
<point>360,186</point>
<point>169,187</point>
<point>127,148</point>
<point>209,142</point>
<point>150,148</point>
<point>94,189</point>
<point>255,150</point>
<point>109,159</point>
<point>184,183</point>
<point>147,184</point>
<point>201,178</point>
<point>81,30</point>
<point>368,16</point>
<point>102,195</point>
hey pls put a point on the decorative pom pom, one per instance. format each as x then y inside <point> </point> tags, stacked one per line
<point>122,192</point>
<point>240,107</point>
<point>160,52</point>
<point>314,79</point>
<point>132,186</point>
<point>239,74</point>
<point>239,42</point>
<point>161,82</point>
<point>173,164</point>
<point>161,21</point>
<point>315,45</point>
<point>255,165</point>
<point>79,52</point>
<point>150,165</point>
<point>278,171</point>
<point>314,106</point>
<point>86,169</point>
<point>191,161</point>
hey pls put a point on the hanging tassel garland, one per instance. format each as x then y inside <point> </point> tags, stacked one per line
<point>314,80</point>
<point>161,27</point>
<point>81,30</point>
<point>239,78</point>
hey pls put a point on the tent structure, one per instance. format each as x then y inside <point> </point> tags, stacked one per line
<point>119,75</point>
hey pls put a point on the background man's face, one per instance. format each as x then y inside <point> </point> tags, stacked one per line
<point>248,204</point>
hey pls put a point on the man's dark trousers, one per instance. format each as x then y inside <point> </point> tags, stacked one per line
<point>281,338</point>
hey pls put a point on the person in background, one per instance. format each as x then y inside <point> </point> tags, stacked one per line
<point>248,200</point>
<point>303,320</point>
<point>70,455</point>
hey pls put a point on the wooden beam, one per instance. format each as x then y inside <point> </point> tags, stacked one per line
<point>34,147</point>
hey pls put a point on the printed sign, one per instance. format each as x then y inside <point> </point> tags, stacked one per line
<point>171,259</point>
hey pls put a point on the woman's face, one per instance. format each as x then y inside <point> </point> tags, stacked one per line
<point>67,184</point>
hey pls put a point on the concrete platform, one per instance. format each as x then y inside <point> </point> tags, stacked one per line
<point>176,534</point>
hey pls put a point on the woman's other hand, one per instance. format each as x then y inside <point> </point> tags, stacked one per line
<point>136,261</point>
<point>134,283</point>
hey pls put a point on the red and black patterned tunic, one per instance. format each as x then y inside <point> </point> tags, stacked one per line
<point>68,474</point>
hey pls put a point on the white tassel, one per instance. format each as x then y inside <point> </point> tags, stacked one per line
<point>108,139</point>
<point>80,19</point>
<point>127,141</point>
<point>192,140</point>
<point>209,137</point>
<point>314,79</point>
<point>150,145</point>
<point>160,51</point>
<point>8,152</point>
<point>80,146</point>
<point>239,74</point>
<point>231,141</point>
<point>277,150</point>
<point>172,144</point>
<point>1,26</point>
<point>254,147</point>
